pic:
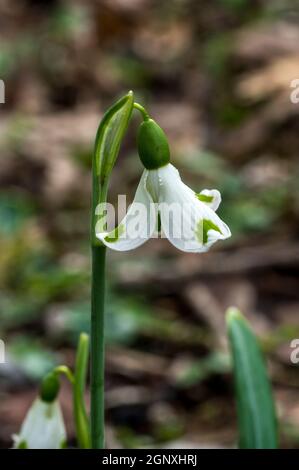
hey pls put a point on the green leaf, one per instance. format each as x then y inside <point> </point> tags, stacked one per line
<point>256,411</point>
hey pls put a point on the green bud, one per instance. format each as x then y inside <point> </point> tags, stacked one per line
<point>153,146</point>
<point>49,387</point>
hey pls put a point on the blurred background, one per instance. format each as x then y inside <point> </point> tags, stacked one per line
<point>216,76</point>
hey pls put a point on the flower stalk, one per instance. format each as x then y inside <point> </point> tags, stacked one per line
<point>97,346</point>
<point>108,140</point>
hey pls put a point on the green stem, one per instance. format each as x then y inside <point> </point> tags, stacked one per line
<point>66,371</point>
<point>142,110</point>
<point>110,132</point>
<point>97,346</point>
<point>97,352</point>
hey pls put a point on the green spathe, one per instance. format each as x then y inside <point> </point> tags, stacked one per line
<point>153,146</point>
<point>109,136</point>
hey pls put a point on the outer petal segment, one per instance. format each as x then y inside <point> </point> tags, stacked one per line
<point>137,226</point>
<point>189,224</point>
<point>43,427</point>
<point>210,197</point>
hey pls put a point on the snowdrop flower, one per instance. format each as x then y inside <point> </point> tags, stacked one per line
<point>162,200</point>
<point>43,426</point>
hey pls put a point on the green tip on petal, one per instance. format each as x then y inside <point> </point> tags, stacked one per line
<point>49,387</point>
<point>115,234</point>
<point>22,445</point>
<point>63,444</point>
<point>203,228</point>
<point>204,197</point>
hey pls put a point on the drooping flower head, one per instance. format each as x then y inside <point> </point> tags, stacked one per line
<point>43,426</point>
<point>163,202</point>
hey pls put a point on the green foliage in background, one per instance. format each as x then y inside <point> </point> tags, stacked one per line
<point>256,412</point>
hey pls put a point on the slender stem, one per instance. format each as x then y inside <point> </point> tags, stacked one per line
<point>97,347</point>
<point>66,371</point>
<point>142,110</point>
<point>97,353</point>
<point>100,180</point>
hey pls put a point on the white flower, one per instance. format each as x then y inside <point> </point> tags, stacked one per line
<point>42,428</point>
<point>187,219</point>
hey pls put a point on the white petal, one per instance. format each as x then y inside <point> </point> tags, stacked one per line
<point>189,224</point>
<point>210,197</point>
<point>138,225</point>
<point>43,427</point>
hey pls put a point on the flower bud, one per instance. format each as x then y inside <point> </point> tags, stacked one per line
<point>153,146</point>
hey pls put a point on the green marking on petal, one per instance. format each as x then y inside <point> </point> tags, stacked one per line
<point>22,445</point>
<point>63,444</point>
<point>203,228</point>
<point>204,197</point>
<point>115,234</point>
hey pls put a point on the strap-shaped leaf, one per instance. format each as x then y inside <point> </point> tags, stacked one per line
<point>255,407</point>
